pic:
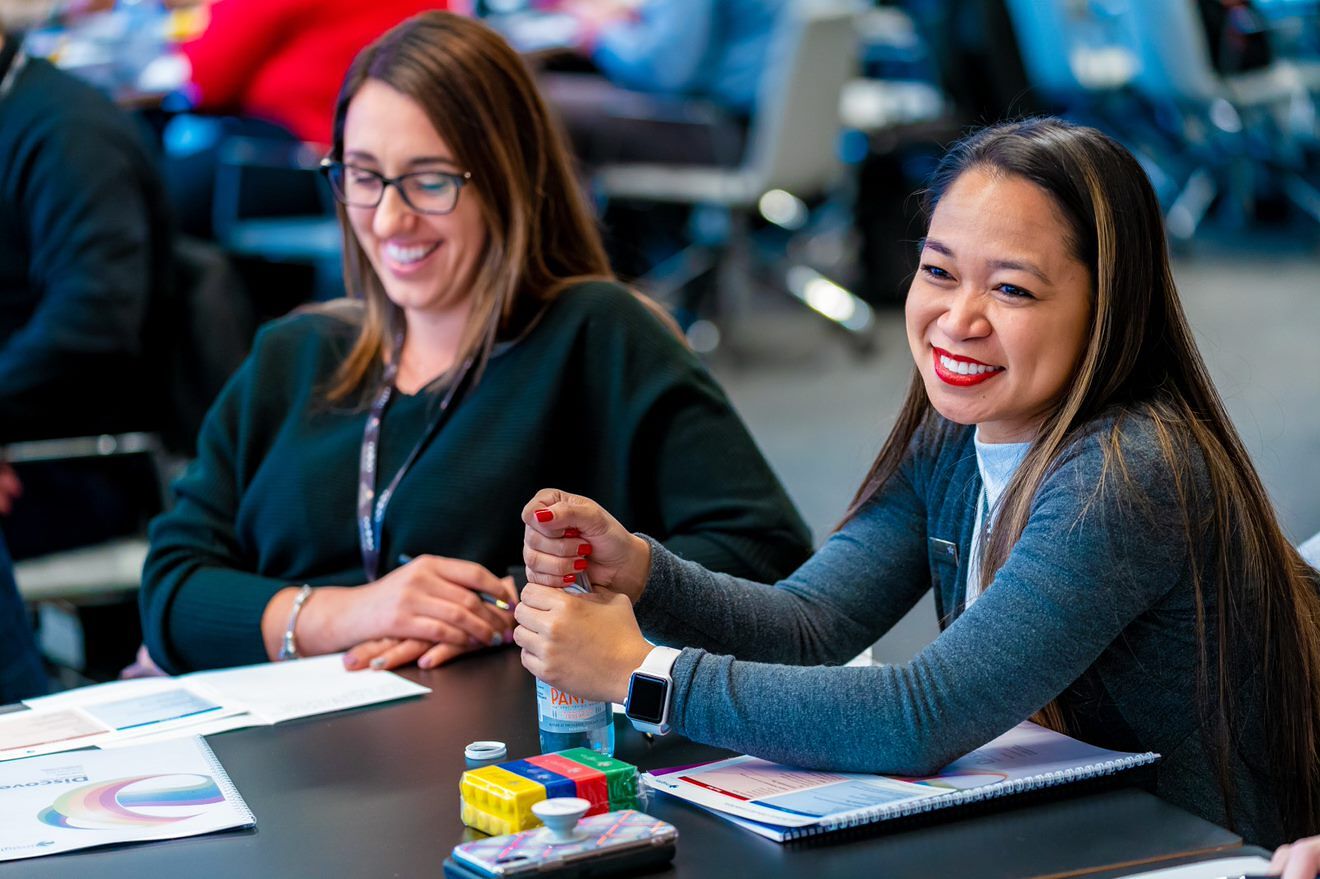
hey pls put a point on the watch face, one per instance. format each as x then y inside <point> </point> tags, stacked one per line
<point>646,698</point>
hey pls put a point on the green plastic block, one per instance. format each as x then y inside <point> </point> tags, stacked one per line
<point>620,777</point>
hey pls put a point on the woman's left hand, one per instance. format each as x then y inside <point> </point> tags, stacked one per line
<point>383,654</point>
<point>587,645</point>
<point>1298,860</point>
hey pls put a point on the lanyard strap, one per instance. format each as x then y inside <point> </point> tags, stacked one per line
<point>370,505</point>
<point>12,61</point>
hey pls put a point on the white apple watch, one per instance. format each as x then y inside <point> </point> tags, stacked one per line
<point>651,690</point>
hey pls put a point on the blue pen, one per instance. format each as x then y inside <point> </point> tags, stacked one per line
<point>404,559</point>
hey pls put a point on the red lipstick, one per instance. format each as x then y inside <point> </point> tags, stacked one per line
<point>959,379</point>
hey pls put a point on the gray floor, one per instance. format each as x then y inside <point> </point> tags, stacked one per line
<point>820,414</point>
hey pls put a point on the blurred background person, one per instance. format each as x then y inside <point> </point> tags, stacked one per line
<point>282,61</point>
<point>85,258</point>
<point>267,69</point>
<point>674,82</point>
<point>677,79</point>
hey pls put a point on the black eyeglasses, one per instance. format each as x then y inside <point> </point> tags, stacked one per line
<point>426,192</point>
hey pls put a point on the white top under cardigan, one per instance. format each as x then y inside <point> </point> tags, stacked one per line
<point>997,463</point>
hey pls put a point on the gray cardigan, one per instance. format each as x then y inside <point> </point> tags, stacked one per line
<point>1095,602</point>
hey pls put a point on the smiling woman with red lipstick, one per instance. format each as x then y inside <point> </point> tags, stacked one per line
<point>1062,475</point>
<point>358,482</point>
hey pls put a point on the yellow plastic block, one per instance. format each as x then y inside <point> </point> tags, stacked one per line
<point>497,801</point>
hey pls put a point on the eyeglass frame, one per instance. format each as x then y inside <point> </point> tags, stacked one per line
<point>327,166</point>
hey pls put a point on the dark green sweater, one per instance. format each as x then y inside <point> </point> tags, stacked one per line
<point>598,399</point>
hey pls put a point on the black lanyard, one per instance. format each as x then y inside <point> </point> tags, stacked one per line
<point>371,516</point>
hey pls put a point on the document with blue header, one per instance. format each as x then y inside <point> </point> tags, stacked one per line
<point>784,802</point>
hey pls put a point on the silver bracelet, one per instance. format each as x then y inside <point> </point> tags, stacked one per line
<point>289,646</point>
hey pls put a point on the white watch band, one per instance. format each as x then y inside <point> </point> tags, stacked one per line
<point>660,662</point>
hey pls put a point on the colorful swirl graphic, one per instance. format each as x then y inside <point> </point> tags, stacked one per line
<point>115,804</point>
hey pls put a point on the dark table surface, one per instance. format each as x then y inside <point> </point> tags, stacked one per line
<point>374,793</point>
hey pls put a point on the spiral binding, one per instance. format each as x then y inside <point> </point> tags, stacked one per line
<point>891,811</point>
<point>225,783</point>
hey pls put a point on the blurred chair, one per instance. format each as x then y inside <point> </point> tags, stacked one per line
<point>1143,71</point>
<point>791,157</point>
<point>196,339</point>
<point>1080,65</point>
<point>86,598</point>
<point>1072,52</point>
<point>1236,125</point>
<point>110,567</point>
<point>271,204</point>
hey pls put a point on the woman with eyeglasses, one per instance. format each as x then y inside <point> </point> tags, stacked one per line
<point>1064,477</point>
<point>358,483</point>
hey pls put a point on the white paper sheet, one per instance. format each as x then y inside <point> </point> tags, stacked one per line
<point>277,691</point>
<point>207,727</point>
<point>128,713</point>
<point>1209,869</point>
<point>28,732</point>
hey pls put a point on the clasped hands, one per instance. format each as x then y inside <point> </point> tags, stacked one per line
<point>428,611</point>
<point>587,645</point>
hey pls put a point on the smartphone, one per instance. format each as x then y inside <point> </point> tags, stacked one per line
<point>613,842</point>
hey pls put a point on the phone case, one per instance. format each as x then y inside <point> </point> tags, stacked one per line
<point>610,843</point>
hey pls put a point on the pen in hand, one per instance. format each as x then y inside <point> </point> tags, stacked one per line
<point>404,559</point>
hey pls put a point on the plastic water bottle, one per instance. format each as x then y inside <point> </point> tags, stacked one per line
<point>568,721</point>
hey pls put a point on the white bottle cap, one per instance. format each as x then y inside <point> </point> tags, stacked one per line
<point>486,751</point>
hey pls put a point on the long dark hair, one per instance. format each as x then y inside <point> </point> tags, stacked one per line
<point>541,236</point>
<point>1257,605</point>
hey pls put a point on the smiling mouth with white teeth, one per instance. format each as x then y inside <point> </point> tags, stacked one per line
<point>962,371</point>
<point>404,256</point>
<point>962,367</point>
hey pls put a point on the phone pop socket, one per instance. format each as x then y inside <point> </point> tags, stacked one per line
<point>560,816</point>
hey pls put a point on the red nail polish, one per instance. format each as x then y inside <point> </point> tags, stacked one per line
<point>584,549</point>
<point>570,578</point>
<point>544,515</point>
<point>571,532</point>
<point>579,564</point>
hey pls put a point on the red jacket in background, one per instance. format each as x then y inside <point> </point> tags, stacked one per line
<point>283,60</point>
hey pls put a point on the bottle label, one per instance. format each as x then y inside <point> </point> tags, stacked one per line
<point>559,712</point>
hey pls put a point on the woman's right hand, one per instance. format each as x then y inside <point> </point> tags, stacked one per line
<point>566,534</point>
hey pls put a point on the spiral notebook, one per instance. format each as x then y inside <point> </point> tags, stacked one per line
<point>782,802</point>
<point>80,799</point>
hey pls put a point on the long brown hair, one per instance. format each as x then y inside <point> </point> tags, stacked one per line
<point>1257,604</point>
<point>541,236</point>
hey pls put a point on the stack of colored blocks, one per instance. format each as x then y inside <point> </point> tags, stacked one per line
<point>498,799</point>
